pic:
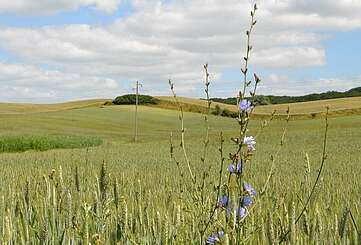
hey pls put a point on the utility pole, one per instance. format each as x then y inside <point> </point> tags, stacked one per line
<point>136,111</point>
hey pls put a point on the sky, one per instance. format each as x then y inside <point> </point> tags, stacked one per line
<point>53,51</point>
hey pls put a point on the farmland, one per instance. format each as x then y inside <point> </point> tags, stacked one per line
<point>64,195</point>
<point>343,106</point>
<point>164,170</point>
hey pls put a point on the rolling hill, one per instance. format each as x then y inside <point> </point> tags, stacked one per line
<point>343,106</point>
<point>108,122</point>
<point>21,108</point>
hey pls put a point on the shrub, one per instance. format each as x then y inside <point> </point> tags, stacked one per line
<point>217,110</point>
<point>226,113</point>
<point>129,99</point>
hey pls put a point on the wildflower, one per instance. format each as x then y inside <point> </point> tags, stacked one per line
<point>235,169</point>
<point>250,142</point>
<point>242,212</point>
<point>248,188</point>
<point>231,168</point>
<point>247,201</point>
<point>223,201</point>
<point>245,106</point>
<point>214,238</point>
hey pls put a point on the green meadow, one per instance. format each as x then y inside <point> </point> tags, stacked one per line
<point>106,189</point>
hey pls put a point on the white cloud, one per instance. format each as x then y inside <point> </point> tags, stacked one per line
<point>48,7</point>
<point>282,85</point>
<point>23,83</point>
<point>290,57</point>
<point>173,40</point>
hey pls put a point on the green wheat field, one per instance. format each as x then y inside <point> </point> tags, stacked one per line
<point>73,176</point>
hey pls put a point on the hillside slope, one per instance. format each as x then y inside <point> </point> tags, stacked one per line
<point>21,108</point>
<point>336,105</point>
<point>341,106</point>
<point>108,122</point>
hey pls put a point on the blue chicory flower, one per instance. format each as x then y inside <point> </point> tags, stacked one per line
<point>242,212</point>
<point>235,169</point>
<point>211,239</point>
<point>245,105</point>
<point>248,188</point>
<point>231,168</point>
<point>250,142</point>
<point>223,201</point>
<point>214,238</point>
<point>247,201</point>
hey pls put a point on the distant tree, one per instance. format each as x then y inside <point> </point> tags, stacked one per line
<point>129,99</point>
<point>261,100</point>
<point>272,99</point>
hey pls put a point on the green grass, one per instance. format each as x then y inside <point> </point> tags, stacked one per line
<point>147,207</point>
<point>45,142</point>
<point>111,122</point>
<point>338,107</point>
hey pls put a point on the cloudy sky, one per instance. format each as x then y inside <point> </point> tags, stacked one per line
<point>62,50</point>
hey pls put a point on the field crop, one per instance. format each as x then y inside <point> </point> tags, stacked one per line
<point>191,178</point>
<point>343,106</point>
<point>65,196</point>
<point>43,143</point>
<point>16,108</point>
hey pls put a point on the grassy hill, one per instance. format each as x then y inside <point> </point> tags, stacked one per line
<point>88,123</point>
<point>19,108</point>
<point>339,107</point>
<point>343,106</point>
<point>108,122</point>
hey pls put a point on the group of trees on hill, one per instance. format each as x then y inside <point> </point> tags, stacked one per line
<point>129,99</point>
<point>272,99</point>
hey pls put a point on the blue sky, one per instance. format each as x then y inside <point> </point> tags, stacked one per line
<point>84,15</point>
<point>77,49</point>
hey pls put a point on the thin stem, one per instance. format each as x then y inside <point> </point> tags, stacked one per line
<point>266,123</point>
<point>353,221</point>
<point>243,117</point>
<point>246,58</point>
<point>273,157</point>
<point>175,160</point>
<point>218,186</point>
<point>206,139</point>
<point>182,132</point>
<point>324,157</point>
<point>206,125</point>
